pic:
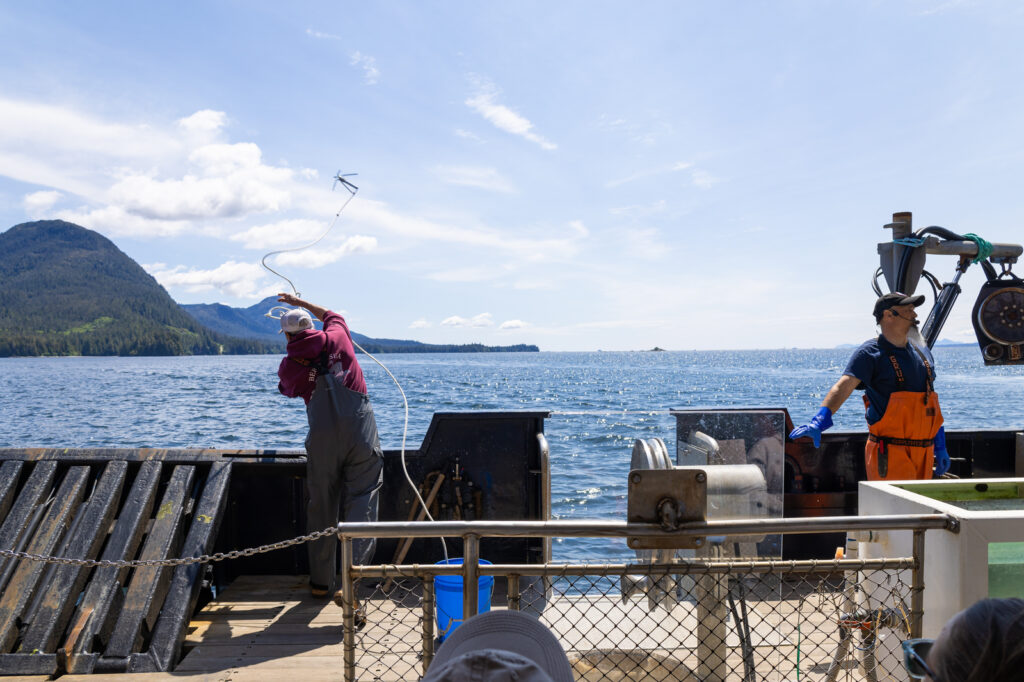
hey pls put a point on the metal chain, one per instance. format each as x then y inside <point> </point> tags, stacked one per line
<point>202,559</point>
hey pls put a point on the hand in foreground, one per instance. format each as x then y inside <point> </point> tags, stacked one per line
<point>818,423</point>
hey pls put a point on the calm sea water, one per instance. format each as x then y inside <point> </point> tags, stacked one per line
<point>601,403</point>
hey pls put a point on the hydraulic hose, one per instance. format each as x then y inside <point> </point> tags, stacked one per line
<point>943,233</point>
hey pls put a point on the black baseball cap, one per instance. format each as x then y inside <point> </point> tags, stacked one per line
<point>894,299</point>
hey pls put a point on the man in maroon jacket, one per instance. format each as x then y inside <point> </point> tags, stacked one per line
<point>344,462</point>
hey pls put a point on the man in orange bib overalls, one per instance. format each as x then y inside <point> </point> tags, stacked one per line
<point>906,439</point>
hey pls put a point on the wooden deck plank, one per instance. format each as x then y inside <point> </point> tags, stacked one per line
<point>20,590</point>
<point>58,600</point>
<point>149,584</point>
<point>183,591</point>
<point>24,510</point>
<point>94,615</point>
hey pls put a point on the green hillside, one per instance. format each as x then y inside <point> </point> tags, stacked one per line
<point>66,290</point>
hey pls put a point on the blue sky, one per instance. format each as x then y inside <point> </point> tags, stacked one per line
<point>578,175</point>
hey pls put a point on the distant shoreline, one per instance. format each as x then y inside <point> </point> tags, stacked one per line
<point>480,352</point>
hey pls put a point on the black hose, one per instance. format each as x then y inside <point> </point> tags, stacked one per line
<point>990,272</point>
<point>745,647</point>
<point>942,232</point>
<point>742,625</point>
<point>908,251</point>
<point>874,282</point>
<point>934,282</point>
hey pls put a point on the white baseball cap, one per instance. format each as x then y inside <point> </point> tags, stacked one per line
<point>295,320</point>
<point>501,646</point>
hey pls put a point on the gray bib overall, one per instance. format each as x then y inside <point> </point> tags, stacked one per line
<point>344,471</point>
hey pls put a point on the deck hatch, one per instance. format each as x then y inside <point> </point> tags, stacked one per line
<point>65,618</point>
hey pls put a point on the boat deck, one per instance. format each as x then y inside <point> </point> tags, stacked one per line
<point>269,628</point>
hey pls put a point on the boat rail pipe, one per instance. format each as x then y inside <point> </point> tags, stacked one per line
<point>687,567</point>
<point>945,247</point>
<point>597,529</point>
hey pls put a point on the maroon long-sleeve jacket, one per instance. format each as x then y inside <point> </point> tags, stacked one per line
<point>298,372</point>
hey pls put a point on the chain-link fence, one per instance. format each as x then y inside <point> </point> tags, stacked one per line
<point>710,618</point>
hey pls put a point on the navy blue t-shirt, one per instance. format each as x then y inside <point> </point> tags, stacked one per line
<point>871,364</point>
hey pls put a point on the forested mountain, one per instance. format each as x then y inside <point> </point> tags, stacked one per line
<point>66,290</point>
<point>248,323</point>
<point>252,322</point>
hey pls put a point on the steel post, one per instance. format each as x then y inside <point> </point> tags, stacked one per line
<point>348,616</point>
<point>428,623</point>
<point>471,576</point>
<point>917,586</point>
<point>513,591</point>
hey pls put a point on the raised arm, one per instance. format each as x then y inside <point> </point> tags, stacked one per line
<point>296,301</point>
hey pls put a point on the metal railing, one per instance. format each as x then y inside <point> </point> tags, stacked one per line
<point>815,608</point>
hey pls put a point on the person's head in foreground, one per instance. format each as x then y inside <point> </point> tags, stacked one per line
<point>983,643</point>
<point>501,646</point>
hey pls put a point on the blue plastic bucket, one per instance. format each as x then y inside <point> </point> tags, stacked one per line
<point>448,592</point>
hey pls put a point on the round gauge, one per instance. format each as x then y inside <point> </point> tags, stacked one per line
<point>1001,316</point>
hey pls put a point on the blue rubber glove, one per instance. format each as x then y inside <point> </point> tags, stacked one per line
<point>820,422</point>
<point>941,456</point>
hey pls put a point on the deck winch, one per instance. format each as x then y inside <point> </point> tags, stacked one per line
<point>672,496</point>
<point>716,487</point>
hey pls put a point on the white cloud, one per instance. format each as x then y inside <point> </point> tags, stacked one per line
<point>419,324</point>
<point>320,256</point>
<point>378,215</point>
<point>502,117</point>
<point>369,65</point>
<point>186,177</point>
<point>481,320</point>
<point>579,228</point>
<point>115,221</point>
<point>648,172</point>
<point>228,180</point>
<point>703,179</point>
<point>205,124</point>
<point>44,128</point>
<point>479,273</point>
<point>283,233</point>
<point>473,176</point>
<point>640,210</point>
<point>321,36</point>
<point>39,204</point>
<point>467,135</point>
<point>143,180</point>
<point>191,198</point>
<point>224,159</point>
<point>647,134</point>
<point>240,280</point>
<point>645,243</point>
<point>514,324</point>
<point>943,7</point>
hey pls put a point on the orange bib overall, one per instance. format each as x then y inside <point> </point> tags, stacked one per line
<point>901,444</point>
